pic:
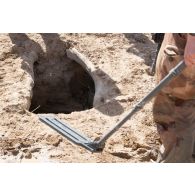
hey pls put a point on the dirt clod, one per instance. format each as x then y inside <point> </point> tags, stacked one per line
<point>28,155</point>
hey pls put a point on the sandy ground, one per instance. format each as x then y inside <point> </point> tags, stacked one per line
<point>120,62</point>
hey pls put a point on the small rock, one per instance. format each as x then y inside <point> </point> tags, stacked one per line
<point>15,152</point>
<point>35,150</point>
<point>28,155</point>
<point>53,140</point>
<point>154,154</point>
<point>135,146</point>
<point>145,157</point>
<point>131,99</point>
<point>110,48</point>
<point>25,144</point>
<point>21,156</point>
<point>141,150</point>
<point>10,148</point>
<point>57,142</point>
<point>22,111</point>
<point>122,155</point>
<point>25,150</point>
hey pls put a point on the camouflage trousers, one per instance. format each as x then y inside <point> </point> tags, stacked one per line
<point>174,107</point>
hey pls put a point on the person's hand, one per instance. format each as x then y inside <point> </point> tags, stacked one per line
<point>189,53</point>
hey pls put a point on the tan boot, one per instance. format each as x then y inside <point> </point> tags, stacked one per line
<point>180,151</point>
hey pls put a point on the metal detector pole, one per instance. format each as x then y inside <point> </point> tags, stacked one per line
<point>172,73</point>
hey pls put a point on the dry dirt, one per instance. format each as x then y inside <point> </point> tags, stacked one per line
<point>36,75</point>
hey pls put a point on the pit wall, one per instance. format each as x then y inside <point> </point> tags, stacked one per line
<point>23,96</point>
<point>101,88</point>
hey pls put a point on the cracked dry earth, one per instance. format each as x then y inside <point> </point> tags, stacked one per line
<point>39,76</point>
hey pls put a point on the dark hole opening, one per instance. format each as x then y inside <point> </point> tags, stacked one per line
<point>61,86</point>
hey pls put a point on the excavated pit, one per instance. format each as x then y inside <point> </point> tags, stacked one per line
<point>61,85</point>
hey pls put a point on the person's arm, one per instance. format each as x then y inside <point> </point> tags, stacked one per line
<point>189,53</point>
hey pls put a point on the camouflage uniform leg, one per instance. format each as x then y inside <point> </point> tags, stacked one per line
<point>175,121</point>
<point>174,116</point>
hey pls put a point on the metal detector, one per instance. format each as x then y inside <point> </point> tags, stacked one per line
<point>96,146</point>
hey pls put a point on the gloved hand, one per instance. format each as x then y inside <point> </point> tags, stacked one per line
<point>189,53</point>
